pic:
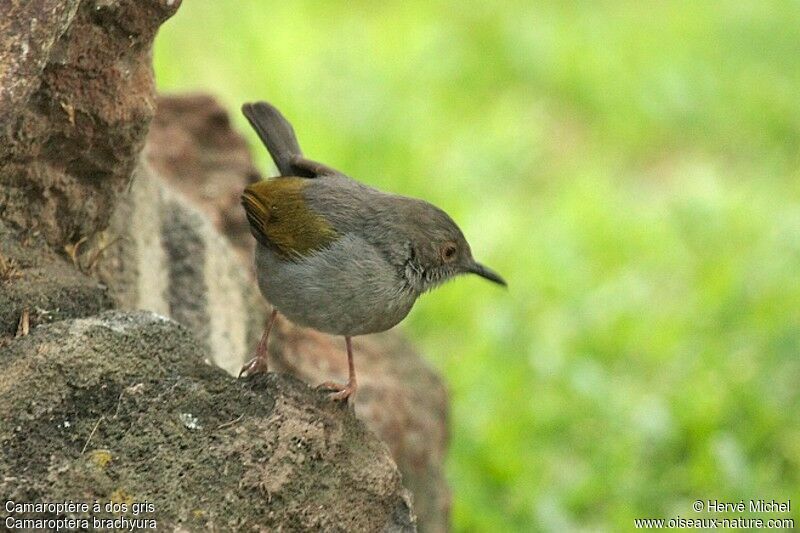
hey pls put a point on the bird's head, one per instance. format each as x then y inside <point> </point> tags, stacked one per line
<point>438,250</point>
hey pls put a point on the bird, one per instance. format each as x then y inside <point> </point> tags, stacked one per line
<point>338,256</point>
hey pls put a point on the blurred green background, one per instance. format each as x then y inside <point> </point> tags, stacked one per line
<point>630,167</point>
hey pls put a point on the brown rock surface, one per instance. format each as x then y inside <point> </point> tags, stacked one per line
<point>76,94</point>
<point>120,407</point>
<point>399,397</point>
<point>161,253</point>
<point>35,281</point>
<point>192,147</point>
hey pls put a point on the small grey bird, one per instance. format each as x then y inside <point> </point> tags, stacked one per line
<point>338,256</point>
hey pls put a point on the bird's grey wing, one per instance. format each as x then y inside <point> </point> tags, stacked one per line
<point>346,204</point>
<point>350,207</point>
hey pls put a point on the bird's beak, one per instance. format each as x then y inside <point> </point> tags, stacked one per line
<point>485,272</point>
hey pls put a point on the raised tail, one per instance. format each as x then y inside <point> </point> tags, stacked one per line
<point>276,133</point>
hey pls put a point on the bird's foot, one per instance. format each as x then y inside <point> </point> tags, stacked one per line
<point>256,365</point>
<point>340,391</point>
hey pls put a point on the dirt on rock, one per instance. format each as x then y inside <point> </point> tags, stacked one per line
<point>119,407</point>
<point>43,285</point>
<point>400,397</point>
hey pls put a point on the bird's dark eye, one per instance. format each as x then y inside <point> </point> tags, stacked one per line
<point>449,251</point>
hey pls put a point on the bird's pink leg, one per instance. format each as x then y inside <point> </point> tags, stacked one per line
<point>343,392</point>
<point>260,363</point>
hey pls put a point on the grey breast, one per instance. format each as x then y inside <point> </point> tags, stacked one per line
<point>347,288</point>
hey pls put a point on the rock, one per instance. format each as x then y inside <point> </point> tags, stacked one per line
<point>35,280</point>
<point>162,254</point>
<point>400,398</point>
<point>169,247</point>
<point>209,289</point>
<point>120,407</point>
<point>135,264</point>
<point>76,94</point>
<point>28,30</point>
<point>193,148</point>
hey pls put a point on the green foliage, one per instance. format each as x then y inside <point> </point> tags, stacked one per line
<point>631,168</point>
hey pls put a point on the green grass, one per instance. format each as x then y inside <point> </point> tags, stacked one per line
<point>630,167</point>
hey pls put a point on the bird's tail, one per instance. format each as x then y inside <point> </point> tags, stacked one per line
<point>275,132</point>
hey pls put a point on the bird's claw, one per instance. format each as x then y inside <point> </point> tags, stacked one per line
<point>341,391</point>
<point>256,365</point>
